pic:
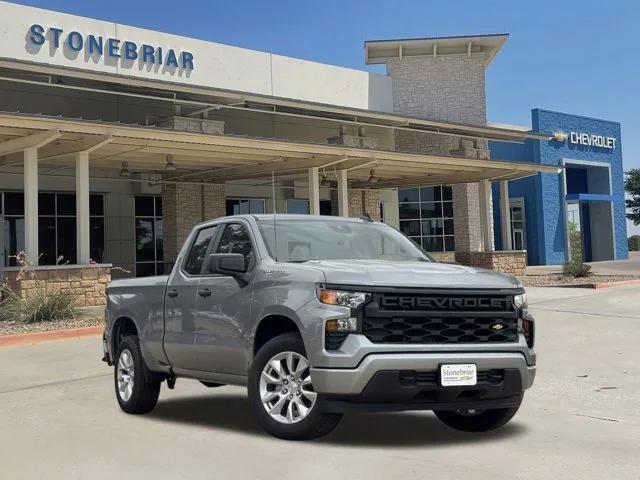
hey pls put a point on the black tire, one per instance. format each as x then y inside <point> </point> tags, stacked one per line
<point>483,421</point>
<point>317,422</point>
<point>144,394</point>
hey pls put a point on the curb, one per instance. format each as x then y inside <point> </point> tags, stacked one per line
<point>40,337</point>
<point>615,284</point>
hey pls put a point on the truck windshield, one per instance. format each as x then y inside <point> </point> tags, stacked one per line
<point>303,240</point>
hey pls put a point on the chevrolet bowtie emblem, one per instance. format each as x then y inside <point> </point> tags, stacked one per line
<point>497,326</point>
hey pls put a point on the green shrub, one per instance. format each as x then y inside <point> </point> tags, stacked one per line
<point>39,305</point>
<point>575,243</point>
<point>576,269</point>
<point>634,243</point>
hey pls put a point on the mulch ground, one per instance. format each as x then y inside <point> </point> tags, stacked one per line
<point>561,281</point>
<point>17,328</point>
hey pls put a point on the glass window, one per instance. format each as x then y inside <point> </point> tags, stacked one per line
<point>295,205</point>
<point>56,227</point>
<point>240,206</point>
<point>409,210</point>
<point>431,210</point>
<point>235,239</point>
<point>145,240</point>
<point>197,255</point>
<point>96,205</point>
<point>149,235</point>
<point>430,194</point>
<point>96,239</point>
<point>47,204</point>
<point>14,203</point>
<point>301,240</point>
<point>66,203</point>
<point>145,206</point>
<point>47,240</point>
<point>426,215</point>
<point>408,195</point>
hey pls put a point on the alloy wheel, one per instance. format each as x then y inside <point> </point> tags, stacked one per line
<point>125,375</point>
<point>286,391</point>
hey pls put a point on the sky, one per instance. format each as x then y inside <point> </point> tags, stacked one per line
<point>580,57</point>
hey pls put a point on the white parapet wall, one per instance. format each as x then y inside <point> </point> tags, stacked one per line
<point>57,39</point>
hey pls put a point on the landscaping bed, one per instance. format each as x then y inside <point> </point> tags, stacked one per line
<point>17,328</point>
<point>557,280</point>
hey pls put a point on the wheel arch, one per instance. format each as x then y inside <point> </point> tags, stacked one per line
<point>122,327</point>
<point>270,326</point>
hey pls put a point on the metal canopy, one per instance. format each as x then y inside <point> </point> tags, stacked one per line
<point>219,158</point>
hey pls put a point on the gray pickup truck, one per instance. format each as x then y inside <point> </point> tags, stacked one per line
<point>318,316</point>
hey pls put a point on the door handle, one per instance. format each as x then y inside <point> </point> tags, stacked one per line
<point>172,293</point>
<point>205,292</point>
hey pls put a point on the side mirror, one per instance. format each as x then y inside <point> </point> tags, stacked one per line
<point>226,263</point>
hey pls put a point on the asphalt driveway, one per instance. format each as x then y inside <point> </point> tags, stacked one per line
<point>581,420</point>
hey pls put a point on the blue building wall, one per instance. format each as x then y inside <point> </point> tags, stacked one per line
<point>544,205</point>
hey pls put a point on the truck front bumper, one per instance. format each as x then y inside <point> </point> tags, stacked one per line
<point>411,381</point>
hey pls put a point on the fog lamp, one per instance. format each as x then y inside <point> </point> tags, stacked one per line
<point>342,325</point>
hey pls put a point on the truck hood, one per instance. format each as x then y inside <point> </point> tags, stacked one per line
<point>411,274</point>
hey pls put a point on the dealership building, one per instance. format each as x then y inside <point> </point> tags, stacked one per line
<point>115,141</point>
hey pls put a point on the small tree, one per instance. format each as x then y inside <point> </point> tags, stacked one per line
<point>634,243</point>
<point>575,243</point>
<point>632,187</point>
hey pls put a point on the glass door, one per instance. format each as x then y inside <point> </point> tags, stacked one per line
<point>518,224</point>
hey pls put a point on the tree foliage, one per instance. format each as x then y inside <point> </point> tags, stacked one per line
<point>632,187</point>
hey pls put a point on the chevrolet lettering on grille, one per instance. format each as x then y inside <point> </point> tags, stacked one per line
<point>446,303</point>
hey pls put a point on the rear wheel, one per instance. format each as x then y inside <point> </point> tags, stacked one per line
<point>282,395</point>
<point>135,393</point>
<point>476,420</point>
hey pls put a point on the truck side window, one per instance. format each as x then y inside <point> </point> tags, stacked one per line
<point>196,257</point>
<point>235,239</point>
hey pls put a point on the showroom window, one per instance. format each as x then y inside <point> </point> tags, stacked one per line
<point>56,227</point>
<point>240,206</point>
<point>426,216</point>
<point>148,221</point>
<point>298,205</point>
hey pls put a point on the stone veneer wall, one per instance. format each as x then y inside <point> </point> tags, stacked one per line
<point>447,88</point>
<point>87,282</point>
<point>445,257</point>
<point>513,262</point>
<point>364,201</point>
<point>185,205</point>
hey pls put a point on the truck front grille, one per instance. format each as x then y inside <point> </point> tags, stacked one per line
<point>440,318</point>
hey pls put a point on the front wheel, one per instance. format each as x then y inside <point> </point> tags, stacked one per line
<point>134,392</point>
<point>476,420</point>
<point>281,393</point>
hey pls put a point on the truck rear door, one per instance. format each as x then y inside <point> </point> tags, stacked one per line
<point>180,338</point>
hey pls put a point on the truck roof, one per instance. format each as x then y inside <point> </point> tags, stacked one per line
<point>286,216</point>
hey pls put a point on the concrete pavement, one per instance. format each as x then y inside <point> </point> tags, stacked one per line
<point>581,420</point>
<point>631,266</point>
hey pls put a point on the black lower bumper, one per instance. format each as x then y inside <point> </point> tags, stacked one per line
<point>397,390</point>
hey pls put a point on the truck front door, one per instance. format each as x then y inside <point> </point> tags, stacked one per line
<point>223,306</point>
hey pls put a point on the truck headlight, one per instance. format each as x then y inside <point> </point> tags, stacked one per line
<point>520,301</point>
<point>342,297</point>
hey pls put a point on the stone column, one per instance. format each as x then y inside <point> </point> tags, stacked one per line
<point>364,201</point>
<point>184,206</point>
<point>447,88</point>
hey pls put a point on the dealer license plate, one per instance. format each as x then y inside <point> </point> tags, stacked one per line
<point>458,375</point>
